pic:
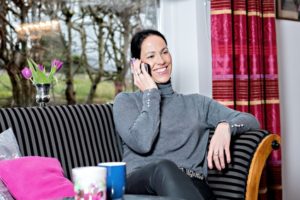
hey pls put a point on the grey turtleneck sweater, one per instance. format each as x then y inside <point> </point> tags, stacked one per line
<point>161,124</point>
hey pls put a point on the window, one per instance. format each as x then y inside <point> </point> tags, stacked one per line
<point>92,38</point>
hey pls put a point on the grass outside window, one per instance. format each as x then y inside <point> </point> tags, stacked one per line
<point>105,90</point>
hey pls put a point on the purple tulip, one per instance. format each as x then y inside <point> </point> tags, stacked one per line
<point>26,72</point>
<point>41,67</point>
<point>57,63</point>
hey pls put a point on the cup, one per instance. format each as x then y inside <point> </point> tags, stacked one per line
<point>115,179</point>
<point>89,183</point>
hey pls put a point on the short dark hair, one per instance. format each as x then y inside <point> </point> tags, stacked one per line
<point>139,37</point>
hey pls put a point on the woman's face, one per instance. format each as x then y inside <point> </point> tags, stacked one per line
<point>154,51</point>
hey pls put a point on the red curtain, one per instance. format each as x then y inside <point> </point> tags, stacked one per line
<point>245,75</point>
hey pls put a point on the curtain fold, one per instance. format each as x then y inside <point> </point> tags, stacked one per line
<point>245,73</point>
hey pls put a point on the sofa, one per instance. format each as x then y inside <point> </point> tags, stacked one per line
<point>84,135</point>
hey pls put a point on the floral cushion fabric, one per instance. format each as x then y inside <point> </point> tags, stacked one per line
<point>9,149</point>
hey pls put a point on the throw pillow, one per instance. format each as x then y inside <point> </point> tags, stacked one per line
<point>9,149</point>
<point>4,193</point>
<point>35,177</point>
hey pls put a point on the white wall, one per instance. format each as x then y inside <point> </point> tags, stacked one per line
<point>288,43</point>
<point>186,26</point>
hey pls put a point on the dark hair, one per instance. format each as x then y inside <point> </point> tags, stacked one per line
<point>139,37</point>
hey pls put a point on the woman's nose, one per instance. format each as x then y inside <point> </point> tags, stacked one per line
<point>160,59</point>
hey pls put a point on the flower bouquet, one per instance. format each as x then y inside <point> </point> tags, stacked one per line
<point>42,80</point>
<point>37,72</point>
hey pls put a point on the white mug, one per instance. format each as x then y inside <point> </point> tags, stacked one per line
<point>89,183</point>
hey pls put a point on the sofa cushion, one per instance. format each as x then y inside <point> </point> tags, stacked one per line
<point>9,147</point>
<point>4,192</point>
<point>35,178</point>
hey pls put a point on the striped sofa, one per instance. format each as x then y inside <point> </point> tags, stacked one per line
<point>84,135</point>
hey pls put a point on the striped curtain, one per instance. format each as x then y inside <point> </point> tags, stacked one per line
<point>245,74</point>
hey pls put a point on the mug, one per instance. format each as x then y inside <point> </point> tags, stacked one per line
<point>89,183</point>
<point>115,179</point>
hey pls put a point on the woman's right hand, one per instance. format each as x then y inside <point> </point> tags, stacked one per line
<point>141,77</point>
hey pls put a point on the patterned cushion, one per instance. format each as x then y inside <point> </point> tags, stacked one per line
<point>231,182</point>
<point>78,135</point>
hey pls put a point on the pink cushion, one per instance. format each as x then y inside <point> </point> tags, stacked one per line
<point>35,177</point>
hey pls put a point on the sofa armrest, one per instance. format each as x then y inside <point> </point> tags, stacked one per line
<point>269,143</point>
<point>240,179</point>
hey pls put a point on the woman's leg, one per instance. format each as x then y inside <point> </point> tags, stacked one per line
<point>162,178</point>
<point>204,189</point>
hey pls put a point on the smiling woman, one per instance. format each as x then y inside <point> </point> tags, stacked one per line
<point>165,134</point>
<point>152,50</point>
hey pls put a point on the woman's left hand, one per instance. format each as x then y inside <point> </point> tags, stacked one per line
<point>219,148</point>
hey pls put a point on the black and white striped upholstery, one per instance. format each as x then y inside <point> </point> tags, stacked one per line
<point>78,135</point>
<point>231,183</point>
<point>84,135</point>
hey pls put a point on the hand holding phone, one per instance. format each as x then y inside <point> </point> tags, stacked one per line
<point>142,81</point>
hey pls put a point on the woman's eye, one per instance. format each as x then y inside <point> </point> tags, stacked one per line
<point>165,52</point>
<point>151,56</point>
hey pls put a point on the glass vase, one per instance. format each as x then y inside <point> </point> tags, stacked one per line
<point>42,93</point>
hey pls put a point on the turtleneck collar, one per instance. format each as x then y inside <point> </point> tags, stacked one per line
<point>166,89</point>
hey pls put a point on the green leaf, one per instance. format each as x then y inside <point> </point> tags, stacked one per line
<point>39,76</point>
<point>52,72</point>
<point>32,68</point>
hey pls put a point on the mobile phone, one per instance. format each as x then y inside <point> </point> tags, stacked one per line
<point>147,68</point>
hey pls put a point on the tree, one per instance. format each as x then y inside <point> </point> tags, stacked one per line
<point>14,50</point>
<point>69,92</point>
<point>104,29</point>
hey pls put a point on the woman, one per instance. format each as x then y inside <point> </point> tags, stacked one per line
<point>165,134</point>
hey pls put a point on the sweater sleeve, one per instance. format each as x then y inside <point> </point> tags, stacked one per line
<point>137,125</point>
<point>239,121</point>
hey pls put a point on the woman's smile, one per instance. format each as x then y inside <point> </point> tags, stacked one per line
<point>161,71</point>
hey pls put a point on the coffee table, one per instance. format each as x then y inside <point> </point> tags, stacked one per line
<point>147,197</point>
<point>141,197</point>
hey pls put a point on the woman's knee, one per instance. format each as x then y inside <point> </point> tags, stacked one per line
<point>165,168</point>
<point>166,165</point>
